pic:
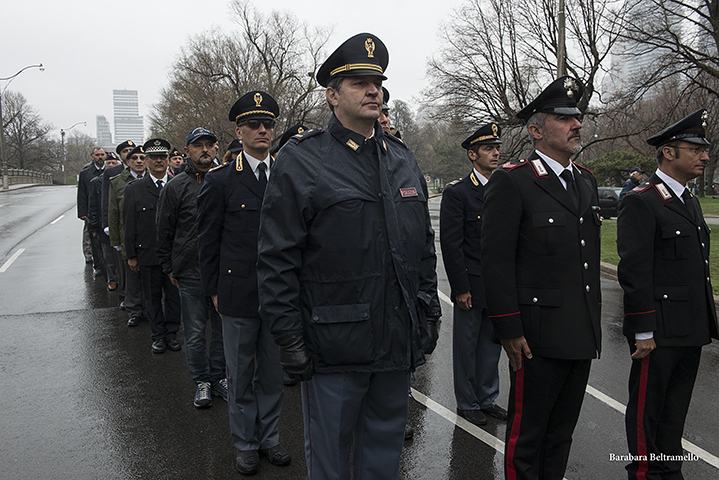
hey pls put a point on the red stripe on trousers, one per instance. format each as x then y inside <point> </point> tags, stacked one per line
<point>641,439</point>
<point>516,422</point>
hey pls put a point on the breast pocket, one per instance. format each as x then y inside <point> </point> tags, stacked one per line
<point>245,213</point>
<point>676,240</point>
<point>548,230</point>
<point>474,225</point>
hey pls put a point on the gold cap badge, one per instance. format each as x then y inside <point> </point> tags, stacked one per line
<point>369,46</point>
<point>258,100</point>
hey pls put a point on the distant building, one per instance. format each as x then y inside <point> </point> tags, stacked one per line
<point>102,132</point>
<point>129,125</point>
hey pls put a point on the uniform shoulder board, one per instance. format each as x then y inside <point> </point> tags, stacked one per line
<point>454,182</point>
<point>396,140</point>
<point>218,167</point>
<point>300,137</point>
<point>511,165</point>
<point>642,188</point>
<point>584,168</point>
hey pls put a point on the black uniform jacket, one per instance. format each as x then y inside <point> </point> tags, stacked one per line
<point>176,221</point>
<point>540,259</point>
<point>664,267</point>
<point>460,229</point>
<point>94,223</point>
<point>346,250</point>
<point>89,172</point>
<point>228,221</point>
<point>138,218</point>
<point>107,174</point>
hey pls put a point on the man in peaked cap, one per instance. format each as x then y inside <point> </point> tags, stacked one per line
<point>176,163</point>
<point>540,263</point>
<point>475,355</point>
<point>669,311</point>
<point>176,221</point>
<point>233,150</point>
<point>122,150</point>
<point>138,218</point>
<point>133,303</point>
<point>384,114</point>
<point>346,271</point>
<point>228,222</point>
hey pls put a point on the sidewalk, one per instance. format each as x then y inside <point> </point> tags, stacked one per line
<point>24,185</point>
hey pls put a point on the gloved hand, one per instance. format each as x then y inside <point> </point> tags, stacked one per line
<point>433,330</point>
<point>294,356</point>
<point>118,248</point>
<point>107,231</point>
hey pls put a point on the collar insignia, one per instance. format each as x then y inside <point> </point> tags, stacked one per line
<point>238,163</point>
<point>352,144</point>
<point>663,191</point>
<point>473,177</point>
<point>539,168</point>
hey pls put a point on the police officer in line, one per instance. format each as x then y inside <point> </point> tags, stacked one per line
<point>233,150</point>
<point>540,262</point>
<point>384,114</point>
<point>669,311</point>
<point>90,245</point>
<point>177,162</point>
<point>133,303</point>
<point>475,355</point>
<point>227,225</point>
<point>122,149</point>
<point>346,271</point>
<point>140,232</point>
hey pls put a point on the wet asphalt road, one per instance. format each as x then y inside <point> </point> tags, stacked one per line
<point>84,398</point>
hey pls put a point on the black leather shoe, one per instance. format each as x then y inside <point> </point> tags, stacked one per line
<point>277,455</point>
<point>496,411</point>
<point>134,321</point>
<point>473,416</point>
<point>122,305</point>
<point>408,432</point>
<point>158,346</point>
<point>247,462</point>
<point>173,345</point>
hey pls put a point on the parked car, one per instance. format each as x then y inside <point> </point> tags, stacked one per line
<point>609,201</point>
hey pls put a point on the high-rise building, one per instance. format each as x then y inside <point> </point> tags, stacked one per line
<point>102,131</point>
<point>129,124</point>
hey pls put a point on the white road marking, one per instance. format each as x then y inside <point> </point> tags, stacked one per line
<point>56,220</point>
<point>498,444</point>
<point>11,260</point>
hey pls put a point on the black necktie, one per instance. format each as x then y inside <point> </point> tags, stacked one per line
<point>571,187</point>
<point>159,184</point>
<point>689,202</point>
<point>262,175</point>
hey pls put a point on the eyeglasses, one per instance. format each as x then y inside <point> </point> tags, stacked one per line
<point>255,124</point>
<point>696,150</point>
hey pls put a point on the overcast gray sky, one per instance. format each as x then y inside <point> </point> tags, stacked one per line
<point>90,47</point>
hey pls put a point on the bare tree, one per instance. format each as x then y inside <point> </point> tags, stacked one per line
<point>274,53</point>
<point>24,130</point>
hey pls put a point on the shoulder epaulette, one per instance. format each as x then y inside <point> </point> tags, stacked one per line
<point>514,164</point>
<point>395,139</point>
<point>642,188</point>
<point>454,182</point>
<point>300,137</point>
<point>585,169</point>
<point>218,167</point>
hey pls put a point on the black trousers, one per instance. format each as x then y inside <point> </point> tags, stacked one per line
<point>660,389</point>
<point>544,404</point>
<point>163,324</point>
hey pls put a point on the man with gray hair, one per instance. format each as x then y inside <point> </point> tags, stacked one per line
<point>540,262</point>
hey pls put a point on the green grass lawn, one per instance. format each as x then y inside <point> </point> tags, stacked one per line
<point>610,255</point>
<point>709,205</point>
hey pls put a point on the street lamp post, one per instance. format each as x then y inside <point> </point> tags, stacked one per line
<point>9,79</point>
<point>62,141</point>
